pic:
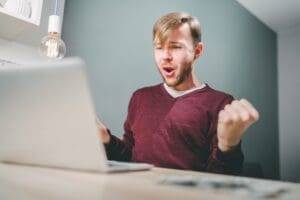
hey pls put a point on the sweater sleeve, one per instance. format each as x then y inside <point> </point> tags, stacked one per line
<point>218,161</point>
<point>121,149</point>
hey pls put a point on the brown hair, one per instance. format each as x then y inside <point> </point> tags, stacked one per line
<point>171,21</point>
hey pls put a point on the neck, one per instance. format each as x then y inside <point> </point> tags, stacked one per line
<point>189,83</point>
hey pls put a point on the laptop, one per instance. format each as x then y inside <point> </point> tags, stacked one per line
<point>47,118</point>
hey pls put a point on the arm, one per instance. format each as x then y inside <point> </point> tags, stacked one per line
<point>116,148</point>
<point>223,162</point>
<point>232,122</point>
<point>120,149</point>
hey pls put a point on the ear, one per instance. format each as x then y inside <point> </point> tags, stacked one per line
<point>198,50</point>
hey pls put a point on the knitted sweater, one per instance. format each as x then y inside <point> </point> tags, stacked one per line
<point>178,133</point>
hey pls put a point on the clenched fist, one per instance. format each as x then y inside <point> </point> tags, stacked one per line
<point>233,121</point>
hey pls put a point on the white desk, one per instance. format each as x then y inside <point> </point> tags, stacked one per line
<point>25,182</point>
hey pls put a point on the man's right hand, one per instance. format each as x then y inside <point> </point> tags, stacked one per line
<point>103,132</point>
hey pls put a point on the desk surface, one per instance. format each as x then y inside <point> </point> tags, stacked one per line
<point>25,182</point>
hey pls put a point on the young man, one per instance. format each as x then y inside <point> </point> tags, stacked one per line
<point>181,123</point>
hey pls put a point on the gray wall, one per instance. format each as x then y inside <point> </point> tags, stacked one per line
<point>114,37</point>
<point>289,106</point>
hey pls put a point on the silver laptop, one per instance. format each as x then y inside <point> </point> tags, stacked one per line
<point>47,118</point>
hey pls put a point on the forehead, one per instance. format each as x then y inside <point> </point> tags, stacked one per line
<point>181,34</point>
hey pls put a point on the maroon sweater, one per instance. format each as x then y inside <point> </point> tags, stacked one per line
<point>175,132</point>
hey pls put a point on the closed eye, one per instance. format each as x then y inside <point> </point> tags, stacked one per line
<point>176,47</point>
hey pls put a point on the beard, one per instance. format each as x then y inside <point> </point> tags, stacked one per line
<point>183,74</point>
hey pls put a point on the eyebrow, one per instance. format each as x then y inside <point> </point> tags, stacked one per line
<point>174,42</point>
<point>171,42</point>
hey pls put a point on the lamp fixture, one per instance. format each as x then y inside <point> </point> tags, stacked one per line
<point>52,46</point>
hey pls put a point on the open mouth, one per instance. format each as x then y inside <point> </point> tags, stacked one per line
<point>169,70</point>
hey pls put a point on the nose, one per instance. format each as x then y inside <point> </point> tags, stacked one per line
<point>167,55</point>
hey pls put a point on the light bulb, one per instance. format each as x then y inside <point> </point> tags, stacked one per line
<point>52,46</point>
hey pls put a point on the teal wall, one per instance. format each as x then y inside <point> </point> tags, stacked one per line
<point>114,37</point>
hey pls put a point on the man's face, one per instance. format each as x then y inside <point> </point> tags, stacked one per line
<point>175,57</point>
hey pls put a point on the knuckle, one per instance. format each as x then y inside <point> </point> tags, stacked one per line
<point>246,117</point>
<point>235,102</point>
<point>227,107</point>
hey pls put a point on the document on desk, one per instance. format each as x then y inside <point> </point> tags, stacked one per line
<point>236,185</point>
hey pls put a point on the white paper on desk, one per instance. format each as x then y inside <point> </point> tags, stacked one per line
<point>237,185</point>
